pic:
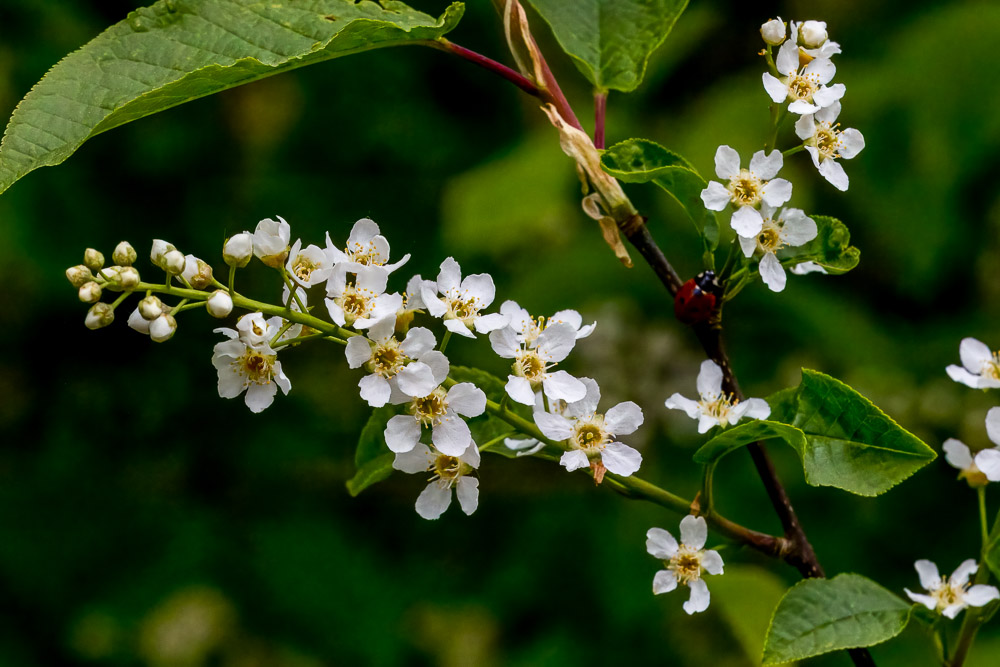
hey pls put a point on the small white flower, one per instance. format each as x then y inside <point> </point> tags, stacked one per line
<point>412,366</point>
<point>447,472</point>
<point>461,301</point>
<point>440,411</point>
<point>747,188</point>
<point>685,562</point>
<point>528,328</point>
<point>715,408</point>
<point>309,266</point>
<point>365,247</point>
<point>790,227</point>
<point>238,249</point>
<point>814,40</point>
<point>270,241</point>
<point>825,143</point>
<point>254,331</point>
<point>960,456</point>
<point>220,304</point>
<point>592,436</point>
<point>981,365</point>
<point>803,268</point>
<point>532,366</point>
<point>362,303</point>
<point>253,369</point>
<point>949,596</point>
<point>773,31</point>
<point>805,88</point>
<point>197,273</point>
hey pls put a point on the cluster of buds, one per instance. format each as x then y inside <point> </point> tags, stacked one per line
<point>91,279</point>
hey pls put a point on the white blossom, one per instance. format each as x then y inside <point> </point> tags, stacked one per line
<point>309,266</point>
<point>362,303</point>
<point>980,367</point>
<point>814,39</point>
<point>773,31</point>
<point>255,331</point>
<point>461,301</point>
<point>533,366</point>
<point>684,562</point>
<point>238,249</point>
<point>270,241</point>
<point>716,408</point>
<point>442,412</point>
<point>365,247</point>
<point>790,227</point>
<point>591,436</point>
<point>220,304</point>
<point>747,189</point>
<point>826,143</point>
<point>528,328</point>
<point>197,273</point>
<point>254,369</point>
<point>158,252</point>
<point>951,595</point>
<point>447,473</point>
<point>805,88</point>
<point>977,470</point>
<point>412,367</point>
<point>162,328</point>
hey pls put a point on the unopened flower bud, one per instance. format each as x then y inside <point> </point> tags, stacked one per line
<point>197,273</point>
<point>173,262</point>
<point>220,304</point>
<point>110,274</point>
<point>773,31</point>
<point>812,34</point>
<point>93,259</point>
<point>128,278</point>
<point>100,315</point>
<point>160,248</point>
<point>162,328</point>
<point>124,254</point>
<point>78,275</point>
<point>90,292</point>
<point>270,241</point>
<point>238,250</point>
<point>151,307</point>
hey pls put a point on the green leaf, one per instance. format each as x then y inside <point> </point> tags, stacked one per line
<point>818,616</point>
<point>743,434</point>
<point>851,444</point>
<point>610,41</point>
<point>831,248</point>
<point>645,161</point>
<point>372,458</point>
<point>783,404</point>
<point>746,598</point>
<point>176,51</point>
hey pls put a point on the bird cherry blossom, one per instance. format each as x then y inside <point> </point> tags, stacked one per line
<point>790,227</point>
<point>716,408</point>
<point>532,366</point>
<point>825,143</point>
<point>447,473</point>
<point>365,247</point>
<point>528,328</point>
<point>308,266</point>
<point>412,365</point>
<point>773,31</point>
<point>980,367</point>
<point>950,595</point>
<point>363,302</point>
<point>747,188</point>
<point>813,39</point>
<point>591,435</point>
<point>439,410</point>
<point>254,369</point>
<point>805,88</point>
<point>461,301</point>
<point>978,470</point>
<point>684,562</point>
<point>270,241</point>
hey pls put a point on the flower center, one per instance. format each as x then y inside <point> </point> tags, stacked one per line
<point>256,365</point>
<point>991,367</point>
<point>364,253</point>
<point>769,239</point>
<point>461,307</point>
<point>589,434</point>
<point>744,188</point>
<point>430,409</point>
<point>387,358</point>
<point>802,86</point>
<point>685,564</point>
<point>449,469</point>
<point>718,407</point>
<point>946,594</point>
<point>530,366</point>
<point>356,302</point>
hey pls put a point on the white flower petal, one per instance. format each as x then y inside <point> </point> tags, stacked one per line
<point>660,543</point>
<point>727,162</point>
<point>756,408</point>
<point>798,228</point>
<point>777,192</point>
<point>974,353</point>
<point>678,402</point>
<point>459,327</point>
<point>805,127</point>
<point>694,531</point>
<point>930,579</point>
<point>416,380</point>
<point>715,197</point>
<point>803,107</point>
<point>822,69</point>
<point>712,562</point>
<point>748,245</point>
<point>434,500</point>
<point>957,454</point>
<point>776,90</point>
<point>490,322</point>
<point>417,460</point>
<point>772,273</point>
<point>980,594</point>
<point>959,374</point>
<point>358,351</point>
<point>467,490</point>
<point>621,459</point>
<point>450,276</point>
<point>828,95</point>
<point>260,396</point>
<point>556,342</point>
<point>467,399</point>
<point>574,460</point>
<point>587,405</point>
<point>834,173</point>
<point>451,435</point>
<point>988,462</point>
<point>363,231</point>
<point>951,611</point>
<point>788,59</point>
<point>504,342</point>
<point>402,433</point>
<point>766,167</point>
<point>438,363</point>
<point>993,425</point>
<point>519,389</point>
<point>852,142</point>
<point>709,379</point>
<point>699,599</point>
<point>747,221</point>
<point>706,422</point>
<point>623,419</point>
<point>664,581</point>
<point>480,287</point>
<point>418,342</point>
<point>563,386</point>
<point>919,598</point>
<point>555,427</point>
<point>375,390</point>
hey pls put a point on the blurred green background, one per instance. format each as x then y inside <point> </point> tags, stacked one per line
<point>146,521</point>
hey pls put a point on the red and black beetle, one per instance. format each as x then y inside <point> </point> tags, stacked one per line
<point>698,298</point>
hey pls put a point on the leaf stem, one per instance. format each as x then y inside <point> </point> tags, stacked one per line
<point>600,111</point>
<point>981,492</point>
<point>232,281</point>
<point>515,77</point>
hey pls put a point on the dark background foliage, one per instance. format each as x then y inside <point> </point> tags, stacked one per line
<point>144,520</point>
